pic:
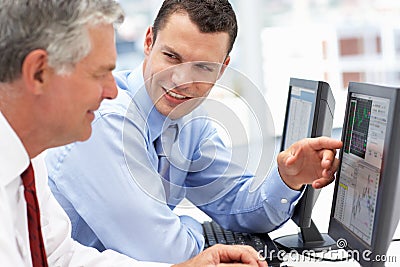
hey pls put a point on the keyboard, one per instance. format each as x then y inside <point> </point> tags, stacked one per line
<point>215,234</point>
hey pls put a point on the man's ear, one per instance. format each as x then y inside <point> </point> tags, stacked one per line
<point>33,68</point>
<point>224,66</point>
<point>148,41</point>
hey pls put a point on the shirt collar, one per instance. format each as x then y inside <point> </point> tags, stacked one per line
<point>14,158</point>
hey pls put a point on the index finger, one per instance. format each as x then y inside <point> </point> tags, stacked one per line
<point>324,142</point>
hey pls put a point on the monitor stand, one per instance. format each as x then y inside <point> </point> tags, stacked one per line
<point>307,239</point>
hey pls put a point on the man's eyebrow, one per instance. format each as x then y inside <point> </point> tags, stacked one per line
<point>109,67</point>
<point>172,51</point>
<point>208,63</point>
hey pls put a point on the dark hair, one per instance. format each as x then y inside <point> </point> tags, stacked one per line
<point>210,16</point>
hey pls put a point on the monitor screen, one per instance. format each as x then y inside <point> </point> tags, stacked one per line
<point>300,115</point>
<point>309,113</point>
<point>367,177</point>
<point>361,164</point>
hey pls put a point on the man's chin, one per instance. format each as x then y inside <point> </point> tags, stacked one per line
<point>179,111</point>
<point>85,135</point>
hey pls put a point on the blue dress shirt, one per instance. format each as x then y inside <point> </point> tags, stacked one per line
<point>111,190</point>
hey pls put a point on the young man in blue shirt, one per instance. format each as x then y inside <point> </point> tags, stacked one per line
<point>118,189</point>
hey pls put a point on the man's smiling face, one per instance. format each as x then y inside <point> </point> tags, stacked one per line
<point>182,65</point>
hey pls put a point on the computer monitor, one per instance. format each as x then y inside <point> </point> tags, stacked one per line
<point>367,187</point>
<point>309,113</point>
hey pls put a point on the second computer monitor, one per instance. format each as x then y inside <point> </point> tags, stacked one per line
<point>365,212</point>
<point>309,113</point>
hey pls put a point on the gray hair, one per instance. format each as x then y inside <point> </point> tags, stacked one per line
<point>58,26</point>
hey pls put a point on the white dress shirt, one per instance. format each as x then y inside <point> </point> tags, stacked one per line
<point>61,250</point>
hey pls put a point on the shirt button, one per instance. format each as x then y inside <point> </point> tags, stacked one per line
<point>284,201</point>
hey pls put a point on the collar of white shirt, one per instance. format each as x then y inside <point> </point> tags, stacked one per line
<point>14,158</point>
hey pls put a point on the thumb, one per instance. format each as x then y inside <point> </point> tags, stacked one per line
<point>289,157</point>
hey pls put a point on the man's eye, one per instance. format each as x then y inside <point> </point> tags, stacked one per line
<point>204,67</point>
<point>172,56</point>
<point>101,75</point>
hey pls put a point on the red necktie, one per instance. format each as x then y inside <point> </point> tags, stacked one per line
<point>35,234</point>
